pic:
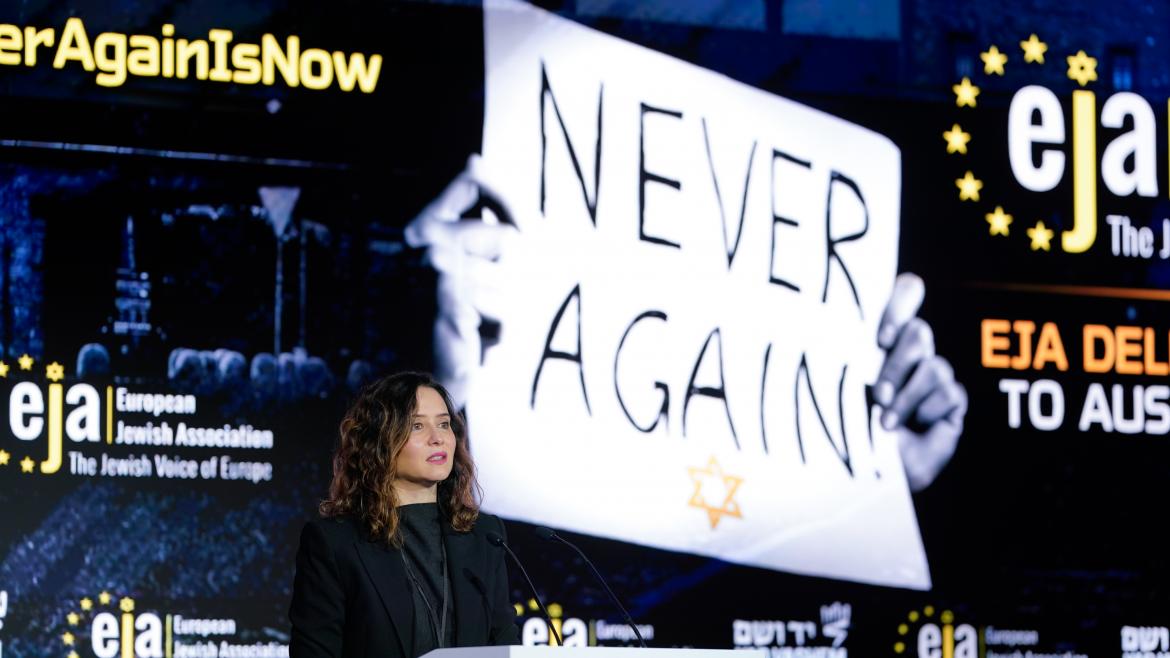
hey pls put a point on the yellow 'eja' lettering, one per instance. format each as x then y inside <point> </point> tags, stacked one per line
<point>1084,128</point>
<point>52,463</point>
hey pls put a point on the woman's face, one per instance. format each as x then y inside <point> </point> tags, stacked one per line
<point>429,453</point>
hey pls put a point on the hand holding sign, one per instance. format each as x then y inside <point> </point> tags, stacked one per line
<point>464,254</point>
<point>687,333</point>
<point>916,387</point>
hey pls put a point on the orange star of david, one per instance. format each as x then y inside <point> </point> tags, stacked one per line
<point>728,507</point>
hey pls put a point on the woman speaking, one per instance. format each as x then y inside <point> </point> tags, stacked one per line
<point>400,563</point>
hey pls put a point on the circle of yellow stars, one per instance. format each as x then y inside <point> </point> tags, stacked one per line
<point>54,372</point>
<point>927,613</point>
<point>1081,68</point>
<point>87,605</point>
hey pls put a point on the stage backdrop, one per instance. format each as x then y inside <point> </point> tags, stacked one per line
<point>652,249</point>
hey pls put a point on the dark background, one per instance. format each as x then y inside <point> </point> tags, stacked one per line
<point>1055,531</point>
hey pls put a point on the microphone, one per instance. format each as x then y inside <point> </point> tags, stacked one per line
<point>547,533</point>
<point>496,540</point>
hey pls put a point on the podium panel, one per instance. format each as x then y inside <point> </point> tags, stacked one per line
<point>509,651</point>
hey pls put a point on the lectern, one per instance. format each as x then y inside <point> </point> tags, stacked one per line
<point>591,652</point>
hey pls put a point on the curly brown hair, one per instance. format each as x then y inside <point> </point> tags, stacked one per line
<point>365,464</point>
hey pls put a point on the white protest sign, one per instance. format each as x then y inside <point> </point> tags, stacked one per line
<point>691,312</point>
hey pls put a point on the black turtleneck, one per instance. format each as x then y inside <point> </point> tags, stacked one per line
<point>422,549</point>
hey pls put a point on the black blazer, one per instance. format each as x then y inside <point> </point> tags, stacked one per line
<point>351,597</point>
